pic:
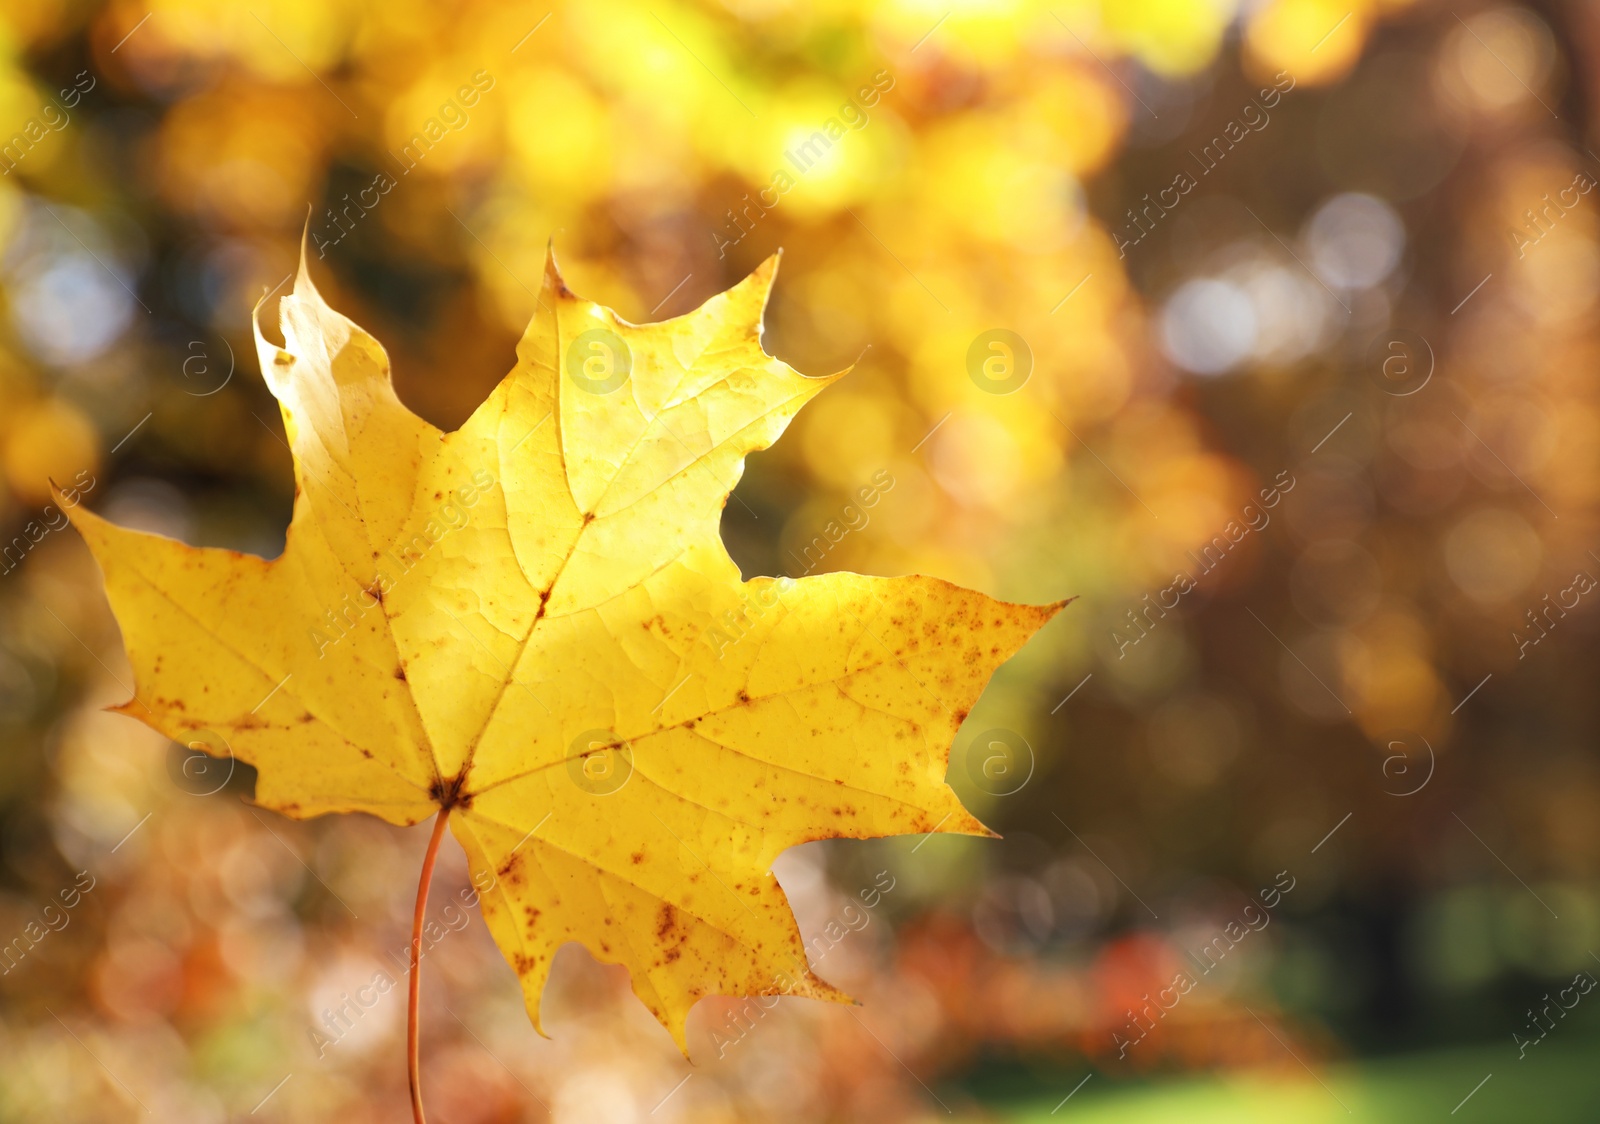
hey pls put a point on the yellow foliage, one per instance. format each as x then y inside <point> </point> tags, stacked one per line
<point>49,440</point>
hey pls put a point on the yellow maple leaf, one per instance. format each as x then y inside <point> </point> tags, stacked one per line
<point>531,626</point>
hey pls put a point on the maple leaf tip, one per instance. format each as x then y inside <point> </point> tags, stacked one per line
<point>839,374</point>
<point>761,279</point>
<point>62,503</point>
<point>133,708</point>
<point>553,281</point>
<point>813,986</point>
<point>302,272</point>
<point>1044,614</point>
<point>77,514</point>
<point>304,287</point>
<point>976,828</point>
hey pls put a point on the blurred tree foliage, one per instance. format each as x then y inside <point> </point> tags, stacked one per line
<point>931,176</point>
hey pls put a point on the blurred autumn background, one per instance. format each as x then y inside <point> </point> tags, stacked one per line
<point>1266,329</point>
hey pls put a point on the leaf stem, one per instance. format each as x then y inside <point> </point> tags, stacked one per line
<point>413,1020</point>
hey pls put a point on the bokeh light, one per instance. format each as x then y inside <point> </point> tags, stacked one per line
<point>1314,441</point>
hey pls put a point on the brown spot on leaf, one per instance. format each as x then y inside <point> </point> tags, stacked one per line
<point>511,870</point>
